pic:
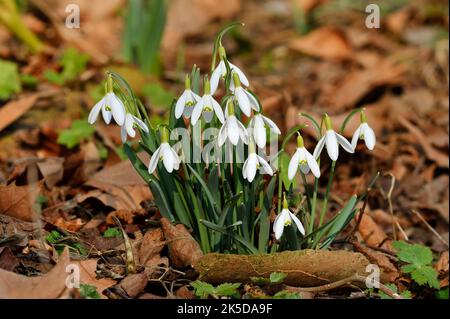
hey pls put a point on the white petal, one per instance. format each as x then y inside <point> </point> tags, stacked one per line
<point>312,163</point>
<point>179,107</point>
<point>177,160</point>
<point>154,160</point>
<point>244,169</point>
<point>278,225</point>
<point>344,143</point>
<point>355,137</point>
<point>197,112</point>
<point>293,164</point>
<point>168,158</point>
<point>216,75</point>
<point>241,74</point>
<point>244,103</point>
<point>117,108</point>
<point>271,125</point>
<point>141,124</point>
<point>95,111</point>
<point>129,122</point>
<point>251,167</point>
<point>298,223</point>
<point>217,110</point>
<point>242,132</point>
<point>233,130</point>
<point>222,135</point>
<point>253,102</point>
<point>259,132</point>
<point>107,115</point>
<point>369,137</point>
<point>265,167</point>
<point>332,145</point>
<point>319,147</point>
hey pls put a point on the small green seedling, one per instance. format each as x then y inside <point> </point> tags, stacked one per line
<point>274,279</point>
<point>418,261</point>
<point>204,289</point>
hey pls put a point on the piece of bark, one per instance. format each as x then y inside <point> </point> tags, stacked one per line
<point>303,268</point>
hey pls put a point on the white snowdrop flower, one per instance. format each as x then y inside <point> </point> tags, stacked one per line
<point>206,107</point>
<point>166,154</point>
<point>303,159</point>
<point>221,71</point>
<point>111,107</point>
<point>332,140</point>
<point>232,129</point>
<point>187,101</point>
<point>285,218</point>
<point>257,127</point>
<point>364,132</point>
<point>242,96</point>
<point>253,163</point>
<point>131,122</point>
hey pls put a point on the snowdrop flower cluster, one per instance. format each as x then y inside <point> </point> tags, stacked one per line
<point>229,110</point>
<point>232,129</point>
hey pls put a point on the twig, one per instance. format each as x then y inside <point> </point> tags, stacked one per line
<point>345,282</point>
<point>431,228</point>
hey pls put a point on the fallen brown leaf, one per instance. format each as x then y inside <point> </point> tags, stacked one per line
<point>373,234</point>
<point>134,284</point>
<point>433,154</point>
<point>19,201</point>
<point>189,17</point>
<point>15,109</point>
<point>183,249</point>
<point>7,259</point>
<point>151,245</point>
<point>50,286</point>
<point>325,42</point>
<point>88,276</point>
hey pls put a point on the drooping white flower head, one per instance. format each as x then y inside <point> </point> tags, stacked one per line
<point>245,99</point>
<point>187,101</point>
<point>304,160</point>
<point>332,140</point>
<point>232,129</point>
<point>111,107</point>
<point>285,218</point>
<point>221,71</point>
<point>129,126</point>
<point>253,163</point>
<point>206,107</point>
<point>166,154</point>
<point>364,132</point>
<point>258,125</point>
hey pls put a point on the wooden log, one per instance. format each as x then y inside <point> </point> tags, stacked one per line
<point>305,268</point>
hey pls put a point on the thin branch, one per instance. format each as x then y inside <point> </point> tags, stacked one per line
<point>345,282</point>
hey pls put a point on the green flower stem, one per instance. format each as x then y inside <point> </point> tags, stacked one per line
<point>313,206</point>
<point>327,192</point>
<point>308,195</point>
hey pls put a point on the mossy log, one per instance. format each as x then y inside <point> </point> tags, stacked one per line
<point>305,268</point>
